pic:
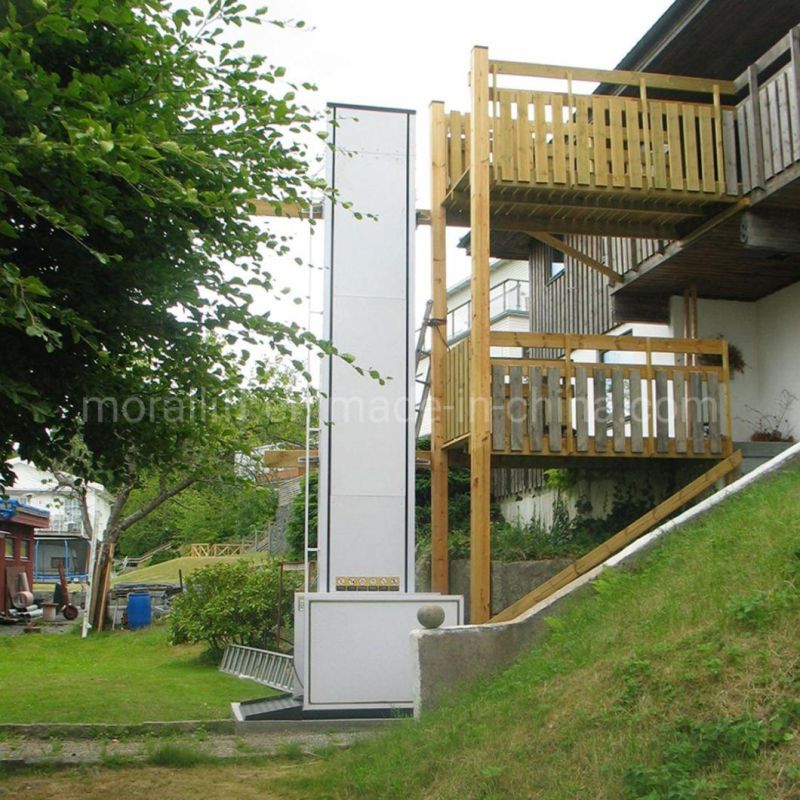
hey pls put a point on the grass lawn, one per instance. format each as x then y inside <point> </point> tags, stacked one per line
<point>120,677</point>
<point>167,571</point>
<point>676,680</point>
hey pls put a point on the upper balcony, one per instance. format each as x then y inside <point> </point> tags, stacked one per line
<point>616,164</point>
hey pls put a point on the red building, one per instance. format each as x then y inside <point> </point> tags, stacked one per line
<point>18,523</point>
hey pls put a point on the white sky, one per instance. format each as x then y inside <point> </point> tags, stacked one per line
<point>409,53</point>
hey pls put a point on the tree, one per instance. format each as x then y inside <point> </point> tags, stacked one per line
<point>133,139</point>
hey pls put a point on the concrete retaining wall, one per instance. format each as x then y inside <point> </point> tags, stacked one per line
<point>449,659</point>
<point>510,579</point>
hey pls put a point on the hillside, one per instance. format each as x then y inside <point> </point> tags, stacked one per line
<point>677,680</point>
<point>167,571</point>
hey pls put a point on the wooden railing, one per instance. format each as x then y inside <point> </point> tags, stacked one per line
<point>204,550</point>
<point>769,117</point>
<point>457,391</point>
<point>670,397</point>
<point>603,142</point>
<point>598,141</point>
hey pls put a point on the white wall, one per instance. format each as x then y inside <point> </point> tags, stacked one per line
<point>768,334</point>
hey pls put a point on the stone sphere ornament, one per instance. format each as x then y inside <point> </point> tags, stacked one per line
<point>431,616</point>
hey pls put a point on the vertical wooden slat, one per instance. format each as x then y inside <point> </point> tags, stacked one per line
<point>581,410</point>
<point>679,400</point>
<point>718,151</point>
<point>535,411</point>
<point>504,149</point>
<point>540,164</point>
<point>617,141</point>
<point>707,149</point>
<point>659,144</point>
<point>690,144</point>
<point>523,137</point>
<point>648,145</point>
<point>618,409</point>
<point>774,128</point>
<point>559,154</point>
<point>651,420</point>
<point>554,409</point>
<point>755,139</point>
<point>516,409</point>
<point>695,414</point>
<point>600,411</point>
<point>675,153</point>
<point>637,411</point>
<point>728,410</point>
<point>498,408</point>
<point>600,148</point>
<point>456,148</point>
<point>661,410</point>
<point>729,147</point>
<point>714,415</point>
<point>635,172</point>
<point>582,144</point>
<point>766,138</point>
<point>785,120</point>
<point>744,150</point>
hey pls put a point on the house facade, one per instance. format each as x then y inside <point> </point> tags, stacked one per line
<point>65,541</point>
<point>18,524</point>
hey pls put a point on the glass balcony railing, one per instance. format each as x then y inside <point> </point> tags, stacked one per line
<point>510,295</point>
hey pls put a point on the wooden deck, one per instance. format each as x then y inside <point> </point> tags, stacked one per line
<point>642,398</point>
<point>574,163</point>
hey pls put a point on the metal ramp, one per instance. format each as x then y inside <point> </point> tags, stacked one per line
<point>275,670</point>
<point>283,707</point>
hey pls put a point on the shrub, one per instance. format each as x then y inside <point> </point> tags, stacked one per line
<point>232,603</point>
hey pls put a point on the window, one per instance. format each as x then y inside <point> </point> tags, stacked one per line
<point>8,546</point>
<point>556,263</point>
<point>72,510</point>
<point>25,549</point>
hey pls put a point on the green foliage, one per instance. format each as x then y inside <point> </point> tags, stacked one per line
<point>696,745</point>
<point>162,557</point>
<point>212,510</point>
<point>133,138</point>
<point>295,525</point>
<point>232,603</point>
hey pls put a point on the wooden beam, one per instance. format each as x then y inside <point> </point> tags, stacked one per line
<point>480,410</point>
<point>618,77</point>
<point>269,208</point>
<point>633,344</point>
<point>440,563</point>
<point>776,232</point>
<point>559,244</point>
<point>622,539</point>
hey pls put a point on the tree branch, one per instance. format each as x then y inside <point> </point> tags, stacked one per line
<point>157,501</point>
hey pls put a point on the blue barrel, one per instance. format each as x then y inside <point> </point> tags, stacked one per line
<point>139,610</point>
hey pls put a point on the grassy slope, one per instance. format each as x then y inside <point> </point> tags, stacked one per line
<point>123,677</point>
<point>680,680</point>
<point>167,571</point>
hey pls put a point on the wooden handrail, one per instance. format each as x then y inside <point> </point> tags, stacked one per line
<point>635,344</point>
<point>619,77</point>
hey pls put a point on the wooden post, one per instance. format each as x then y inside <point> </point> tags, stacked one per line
<point>480,410</point>
<point>440,578</point>
<point>648,177</point>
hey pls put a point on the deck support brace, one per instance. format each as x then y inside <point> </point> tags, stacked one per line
<point>622,539</point>
<point>558,244</point>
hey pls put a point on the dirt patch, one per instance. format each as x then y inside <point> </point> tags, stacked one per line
<point>244,782</point>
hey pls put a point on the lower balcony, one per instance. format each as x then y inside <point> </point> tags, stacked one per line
<point>557,396</point>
